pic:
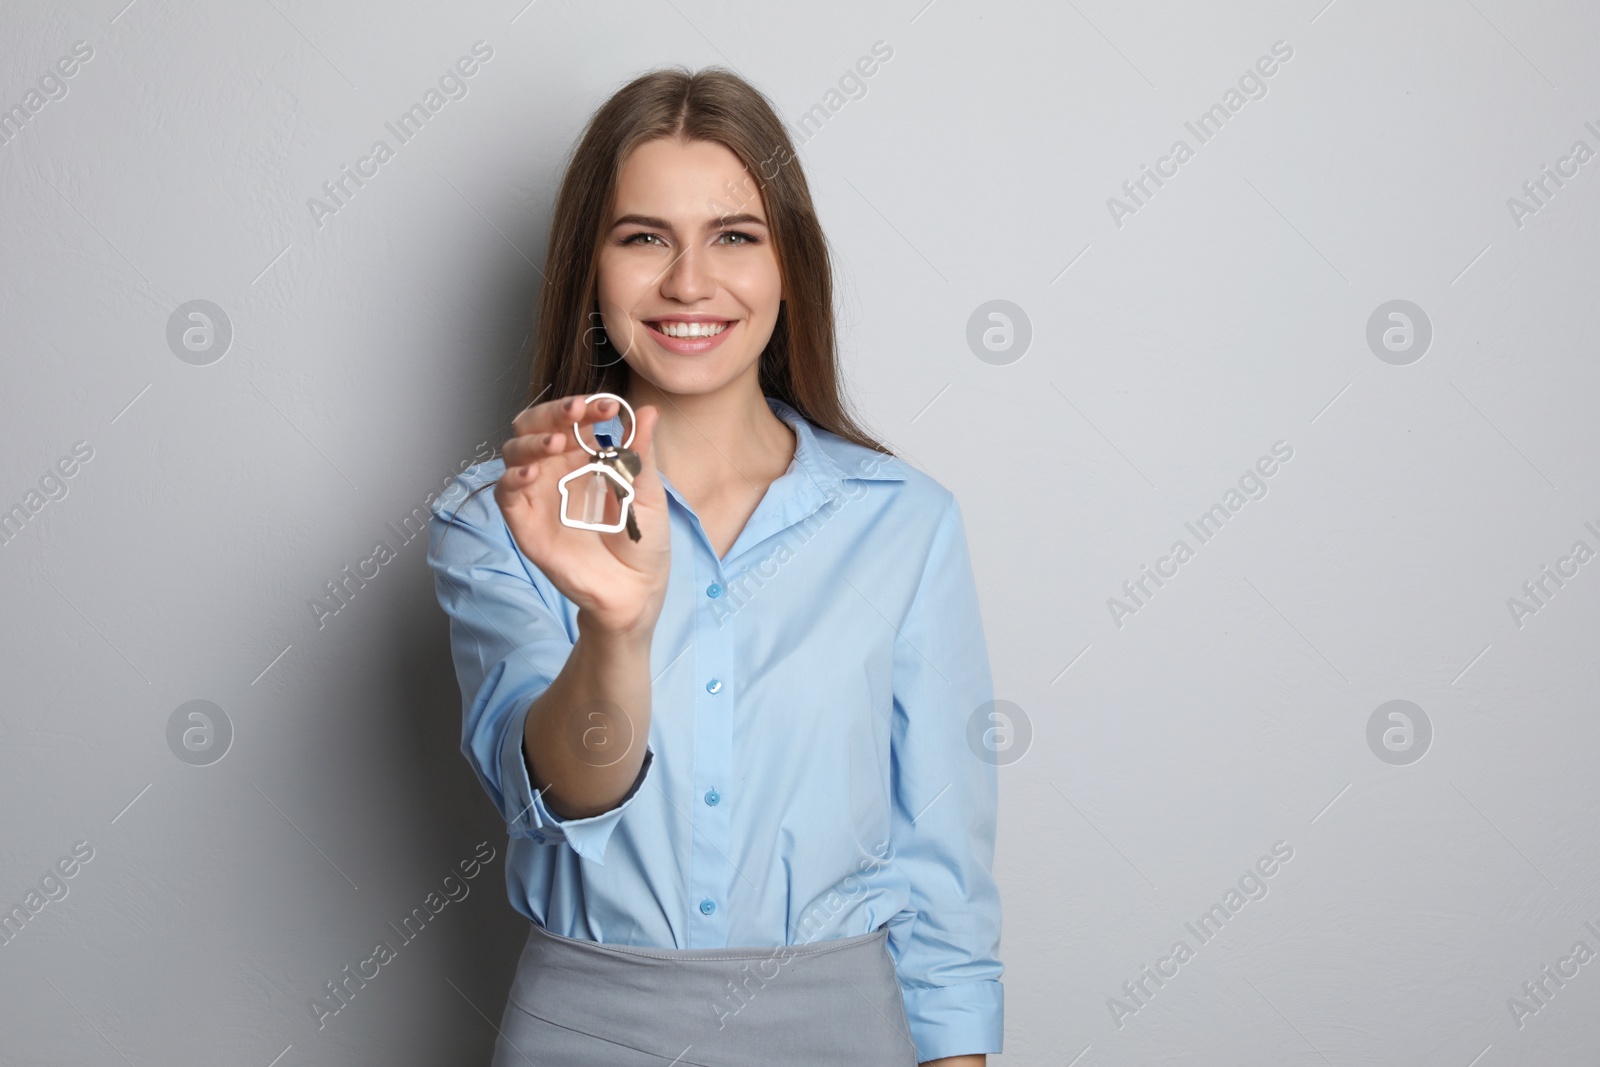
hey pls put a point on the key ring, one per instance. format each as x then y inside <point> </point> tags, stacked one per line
<point>632,424</point>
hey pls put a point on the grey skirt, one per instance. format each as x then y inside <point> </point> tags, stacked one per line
<point>578,1002</point>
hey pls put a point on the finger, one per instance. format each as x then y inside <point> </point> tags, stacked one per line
<point>531,491</point>
<point>530,448</point>
<point>649,502</point>
<point>516,479</point>
<point>644,445</point>
<point>559,415</point>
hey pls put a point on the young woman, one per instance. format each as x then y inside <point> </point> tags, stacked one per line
<point>747,822</point>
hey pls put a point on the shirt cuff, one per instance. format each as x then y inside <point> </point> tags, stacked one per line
<point>532,820</point>
<point>956,1020</point>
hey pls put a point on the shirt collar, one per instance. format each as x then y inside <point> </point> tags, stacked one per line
<point>829,459</point>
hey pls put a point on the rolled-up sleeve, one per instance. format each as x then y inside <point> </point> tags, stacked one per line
<point>508,642</point>
<point>944,811</point>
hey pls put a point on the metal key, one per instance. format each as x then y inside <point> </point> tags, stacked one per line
<point>625,461</point>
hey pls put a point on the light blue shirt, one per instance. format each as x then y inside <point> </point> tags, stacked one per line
<point>811,770</point>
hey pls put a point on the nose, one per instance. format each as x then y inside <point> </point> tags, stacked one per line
<point>688,279</point>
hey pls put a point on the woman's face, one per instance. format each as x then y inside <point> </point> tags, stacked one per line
<point>688,279</point>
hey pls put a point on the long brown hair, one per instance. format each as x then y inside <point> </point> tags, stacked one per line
<point>571,354</point>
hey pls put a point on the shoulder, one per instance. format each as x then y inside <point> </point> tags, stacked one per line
<point>470,541</point>
<point>462,501</point>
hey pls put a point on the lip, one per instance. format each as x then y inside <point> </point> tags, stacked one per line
<point>691,346</point>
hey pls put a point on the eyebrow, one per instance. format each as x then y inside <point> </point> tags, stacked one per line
<point>721,221</point>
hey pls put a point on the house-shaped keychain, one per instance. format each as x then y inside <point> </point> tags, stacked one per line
<point>604,481</point>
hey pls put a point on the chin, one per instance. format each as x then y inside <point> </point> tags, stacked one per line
<point>681,376</point>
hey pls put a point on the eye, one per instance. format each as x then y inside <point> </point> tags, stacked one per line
<point>635,238</point>
<point>744,238</point>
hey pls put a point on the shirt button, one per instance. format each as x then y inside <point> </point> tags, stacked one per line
<point>707,906</point>
<point>712,796</point>
<point>714,686</point>
<point>713,590</point>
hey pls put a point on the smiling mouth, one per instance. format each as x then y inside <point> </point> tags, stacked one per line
<point>684,330</point>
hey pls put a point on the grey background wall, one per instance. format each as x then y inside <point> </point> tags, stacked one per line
<point>1166,745</point>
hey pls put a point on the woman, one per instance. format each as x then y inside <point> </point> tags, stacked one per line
<point>746,821</point>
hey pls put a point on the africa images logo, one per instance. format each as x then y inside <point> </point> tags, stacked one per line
<point>1252,85</point>
<point>452,86</point>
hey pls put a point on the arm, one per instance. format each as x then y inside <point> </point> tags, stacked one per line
<point>589,744</point>
<point>943,817</point>
<point>533,690</point>
<point>525,683</point>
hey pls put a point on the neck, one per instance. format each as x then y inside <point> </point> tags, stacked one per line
<point>703,440</point>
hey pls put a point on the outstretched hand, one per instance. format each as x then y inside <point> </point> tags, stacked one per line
<point>618,584</point>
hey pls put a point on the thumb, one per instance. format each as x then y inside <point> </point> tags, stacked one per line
<point>648,484</point>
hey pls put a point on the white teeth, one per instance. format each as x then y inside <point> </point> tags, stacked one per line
<point>691,329</point>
